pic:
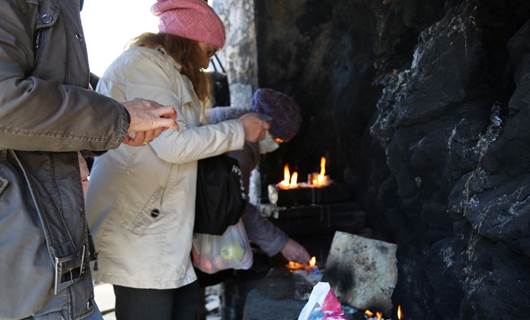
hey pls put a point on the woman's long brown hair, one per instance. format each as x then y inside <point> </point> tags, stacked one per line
<point>185,52</point>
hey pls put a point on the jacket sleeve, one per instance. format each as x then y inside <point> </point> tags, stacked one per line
<point>42,115</point>
<point>137,76</point>
<point>219,114</point>
<point>263,232</point>
<point>192,144</point>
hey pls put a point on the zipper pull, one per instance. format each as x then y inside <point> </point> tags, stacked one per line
<point>36,43</point>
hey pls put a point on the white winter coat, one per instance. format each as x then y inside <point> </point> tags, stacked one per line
<point>141,200</point>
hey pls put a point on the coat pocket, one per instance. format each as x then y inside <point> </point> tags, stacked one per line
<point>26,274</point>
<point>148,219</point>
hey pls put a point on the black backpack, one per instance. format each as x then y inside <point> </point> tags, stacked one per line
<point>221,197</point>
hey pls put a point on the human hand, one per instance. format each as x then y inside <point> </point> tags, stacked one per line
<point>148,120</point>
<point>141,138</point>
<point>255,128</point>
<point>293,251</point>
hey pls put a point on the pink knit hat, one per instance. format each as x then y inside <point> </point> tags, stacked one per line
<point>191,19</point>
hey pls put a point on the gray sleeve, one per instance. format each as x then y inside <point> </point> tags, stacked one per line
<point>42,115</point>
<point>263,232</point>
<point>218,114</point>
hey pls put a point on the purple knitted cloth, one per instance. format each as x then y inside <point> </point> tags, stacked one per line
<point>285,112</point>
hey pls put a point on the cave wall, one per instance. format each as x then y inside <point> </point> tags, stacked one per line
<point>423,109</point>
<point>311,50</point>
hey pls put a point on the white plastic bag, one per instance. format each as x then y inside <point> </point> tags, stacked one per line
<point>212,253</point>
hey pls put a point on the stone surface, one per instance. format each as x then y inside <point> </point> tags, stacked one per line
<point>262,307</point>
<point>362,271</point>
<point>423,109</point>
<point>272,297</point>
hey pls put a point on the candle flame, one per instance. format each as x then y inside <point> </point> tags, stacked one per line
<point>288,182</point>
<point>400,313</point>
<point>315,179</point>
<point>284,184</point>
<point>293,265</point>
<point>313,262</point>
<point>369,314</point>
<point>294,180</point>
<point>320,179</point>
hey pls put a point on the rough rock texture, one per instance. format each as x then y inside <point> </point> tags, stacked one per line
<point>423,108</point>
<point>329,55</point>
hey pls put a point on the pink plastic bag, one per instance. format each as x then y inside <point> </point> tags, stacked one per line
<point>322,305</point>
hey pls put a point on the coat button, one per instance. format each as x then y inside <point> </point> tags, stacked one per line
<point>79,37</point>
<point>155,213</point>
<point>46,18</point>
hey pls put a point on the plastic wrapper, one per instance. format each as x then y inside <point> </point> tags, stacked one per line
<point>322,305</point>
<point>213,253</point>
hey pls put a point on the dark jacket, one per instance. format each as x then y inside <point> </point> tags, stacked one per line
<point>46,116</point>
<point>260,230</point>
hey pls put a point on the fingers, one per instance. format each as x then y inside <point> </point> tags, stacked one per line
<point>164,124</point>
<point>255,128</point>
<point>142,138</point>
<point>149,115</point>
<point>148,136</point>
<point>304,255</point>
<point>158,131</point>
<point>295,252</point>
<point>127,140</point>
<point>137,141</point>
<point>150,104</point>
<point>263,130</point>
<point>139,138</point>
<point>263,134</point>
<point>163,116</point>
<point>301,255</point>
<point>166,112</point>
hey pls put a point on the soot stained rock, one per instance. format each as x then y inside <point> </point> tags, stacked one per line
<point>425,107</point>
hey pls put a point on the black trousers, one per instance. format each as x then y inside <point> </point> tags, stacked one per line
<point>150,304</point>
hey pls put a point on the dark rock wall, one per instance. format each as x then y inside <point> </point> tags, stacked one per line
<point>321,54</point>
<point>423,108</point>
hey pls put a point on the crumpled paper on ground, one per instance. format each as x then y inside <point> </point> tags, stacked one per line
<point>322,305</point>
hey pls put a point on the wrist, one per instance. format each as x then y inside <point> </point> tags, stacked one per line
<point>123,123</point>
